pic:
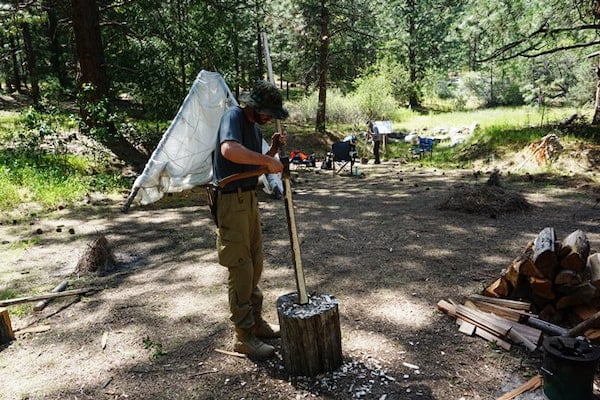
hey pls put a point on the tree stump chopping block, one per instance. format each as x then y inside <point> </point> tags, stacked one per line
<point>311,340</point>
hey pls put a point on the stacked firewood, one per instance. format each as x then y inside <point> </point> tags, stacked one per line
<point>560,278</point>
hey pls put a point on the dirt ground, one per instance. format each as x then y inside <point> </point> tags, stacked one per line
<point>380,243</point>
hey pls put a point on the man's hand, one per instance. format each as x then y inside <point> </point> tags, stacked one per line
<point>275,166</point>
<point>278,139</point>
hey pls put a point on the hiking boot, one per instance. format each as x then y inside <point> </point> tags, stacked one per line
<point>246,343</point>
<point>262,329</point>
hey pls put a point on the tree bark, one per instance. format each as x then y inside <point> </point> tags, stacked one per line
<point>55,53</point>
<point>16,75</point>
<point>323,68</point>
<point>311,340</point>
<point>31,63</point>
<point>596,117</point>
<point>92,79</point>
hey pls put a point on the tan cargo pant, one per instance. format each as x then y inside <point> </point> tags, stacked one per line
<point>240,249</point>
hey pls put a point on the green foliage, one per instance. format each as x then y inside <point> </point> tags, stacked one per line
<point>98,114</point>
<point>50,179</point>
<point>154,347</point>
<point>374,96</point>
<point>39,126</point>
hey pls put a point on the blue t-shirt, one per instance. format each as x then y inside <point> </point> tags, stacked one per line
<point>236,127</point>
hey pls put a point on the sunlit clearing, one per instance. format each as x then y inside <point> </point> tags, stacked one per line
<point>401,310</point>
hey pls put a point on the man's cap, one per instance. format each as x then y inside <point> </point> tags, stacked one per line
<point>266,99</point>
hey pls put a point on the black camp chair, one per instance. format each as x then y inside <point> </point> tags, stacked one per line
<point>344,153</point>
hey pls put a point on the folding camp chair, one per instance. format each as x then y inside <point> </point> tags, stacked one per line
<point>425,146</point>
<point>344,153</point>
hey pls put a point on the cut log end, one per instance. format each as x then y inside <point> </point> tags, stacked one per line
<point>311,340</point>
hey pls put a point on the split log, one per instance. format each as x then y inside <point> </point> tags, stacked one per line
<point>514,304</point>
<point>585,311</point>
<point>504,312</point>
<point>499,288</point>
<point>568,277</point>
<point>311,340</point>
<point>6,331</point>
<point>574,251</point>
<point>593,263</point>
<point>544,255</point>
<point>568,302</point>
<point>43,303</point>
<point>542,287</point>
<point>579,329</point>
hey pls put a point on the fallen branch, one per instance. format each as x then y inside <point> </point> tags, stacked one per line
<point>43,303</point>
<point>73,292</point>
<point>230,353</point>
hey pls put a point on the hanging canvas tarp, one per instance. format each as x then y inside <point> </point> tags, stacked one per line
<point>183,157</point>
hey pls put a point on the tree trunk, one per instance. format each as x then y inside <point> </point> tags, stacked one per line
<point>16,75</point>
<point>596,117</point>
<point>323,67</point>
<point>94,85</point>
<point>6,71</point>
<point>52,32</point>
<point>31,63</point>
<point>260,65</point>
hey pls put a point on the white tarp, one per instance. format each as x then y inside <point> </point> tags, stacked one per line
<point>183,157</point>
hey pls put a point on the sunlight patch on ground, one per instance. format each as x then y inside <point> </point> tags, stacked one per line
<point>369,343</point>
<point>399,309</point>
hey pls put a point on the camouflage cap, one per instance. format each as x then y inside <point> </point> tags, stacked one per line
<point>266,99</point>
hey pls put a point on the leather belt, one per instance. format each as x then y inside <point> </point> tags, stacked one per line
<point>237,189</point>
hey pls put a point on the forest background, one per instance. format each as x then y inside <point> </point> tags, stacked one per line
<point>116,72</point>
<point>87,89</point>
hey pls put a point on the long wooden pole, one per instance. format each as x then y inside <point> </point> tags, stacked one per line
<point>28,299</point>
<point>289,203</point>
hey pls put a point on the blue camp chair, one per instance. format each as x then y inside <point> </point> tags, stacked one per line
<point>425,146</point>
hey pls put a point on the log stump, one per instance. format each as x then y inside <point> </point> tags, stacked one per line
<point>6,333</point>
<point>311,340</point>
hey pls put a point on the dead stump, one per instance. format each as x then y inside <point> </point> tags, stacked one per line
<point>98,258</point>
<point>311,340</point>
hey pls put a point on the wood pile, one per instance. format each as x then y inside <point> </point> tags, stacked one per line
<point>559,277</point>
<point>552,284</point>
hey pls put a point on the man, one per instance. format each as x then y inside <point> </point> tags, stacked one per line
<point>239,237</point>
<point>373,133</point>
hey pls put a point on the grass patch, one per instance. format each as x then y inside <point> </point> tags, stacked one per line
<point>50,179</point>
